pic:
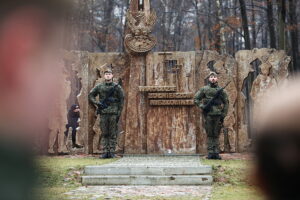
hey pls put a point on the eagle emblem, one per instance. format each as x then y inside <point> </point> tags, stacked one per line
<point>139,39</point>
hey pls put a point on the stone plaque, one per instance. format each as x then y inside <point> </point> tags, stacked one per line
<point>170,95</point>
<point>171,102</point>
<point>157,88</point>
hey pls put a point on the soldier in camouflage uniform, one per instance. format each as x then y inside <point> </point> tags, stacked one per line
<point>109,116</point>
<point>214,117</point>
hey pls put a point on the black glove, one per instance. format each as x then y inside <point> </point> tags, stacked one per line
<point>222,118</point>
<point>101,105</point>
<point>118,116</point>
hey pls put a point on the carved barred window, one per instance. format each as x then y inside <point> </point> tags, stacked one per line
<point>172,66</point>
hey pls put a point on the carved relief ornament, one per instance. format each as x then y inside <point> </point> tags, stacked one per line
<point>139,39</point>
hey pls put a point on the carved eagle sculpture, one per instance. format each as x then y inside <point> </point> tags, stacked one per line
<point>139,39</point>
<point>139,24</point>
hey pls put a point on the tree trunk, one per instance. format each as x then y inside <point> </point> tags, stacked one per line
<point>271,24</point>
<point>209,27</point>
<point>253,26</point>
<point>281,23</point>
<point>195,3</point>
<point>178,27</point>
<point>221,33</point>
<point>245,24</point>
<point>109,6</point>
<point>294,34</point>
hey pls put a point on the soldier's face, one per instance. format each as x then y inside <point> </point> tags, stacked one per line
<point>213,79</point>
<point>108,76</point>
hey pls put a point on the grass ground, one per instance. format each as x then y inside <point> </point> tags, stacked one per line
<point>232,180</point>
<point>62,174</point>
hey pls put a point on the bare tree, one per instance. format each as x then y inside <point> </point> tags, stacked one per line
<point>271,24</point>
<point>281,23</point>
<point>294,34</point>
<point>245,24</point>
<point>185,25</point>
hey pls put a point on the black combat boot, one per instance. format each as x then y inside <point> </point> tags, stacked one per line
<point>77,146</point>
<point>210,156</point>
<point>111,155</point>
<point>217,156</point>
<point>105,155</point>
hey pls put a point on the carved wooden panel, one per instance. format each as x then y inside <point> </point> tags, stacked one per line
<point>171,102</point>
<point>171,95</point>
<point>157,88</point>
<point>172,123</point>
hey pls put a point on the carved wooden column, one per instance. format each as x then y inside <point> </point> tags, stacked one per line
<point>138,43</point>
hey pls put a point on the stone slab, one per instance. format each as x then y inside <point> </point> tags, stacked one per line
<point>147,180</point>
<point>103,170</point>
<point>150,170</point>
<point>157,161</point>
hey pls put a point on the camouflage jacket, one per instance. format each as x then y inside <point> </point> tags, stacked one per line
<point>101,90</point>
<point>206,93</point>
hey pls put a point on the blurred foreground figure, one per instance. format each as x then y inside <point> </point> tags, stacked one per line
<point>30,32</point>
<point>278,143</point>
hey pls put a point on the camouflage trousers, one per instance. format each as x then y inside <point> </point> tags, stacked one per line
<point>109,128</point>
<point>213,128</point>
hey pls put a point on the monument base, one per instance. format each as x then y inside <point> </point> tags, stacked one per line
<point>150,170</point>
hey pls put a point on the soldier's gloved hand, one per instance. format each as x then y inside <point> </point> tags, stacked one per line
<point>222,118</point>
<point>118,116</point>
<point>100,105</point>
<point>110,99</point>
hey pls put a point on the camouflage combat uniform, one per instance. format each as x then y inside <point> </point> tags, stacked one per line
<point>108,117</point>
<point>215,116</point>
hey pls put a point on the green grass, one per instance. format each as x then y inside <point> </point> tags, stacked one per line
<point>60,175</point>
<point>232,180</point>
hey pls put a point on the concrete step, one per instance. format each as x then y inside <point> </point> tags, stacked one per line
<point>147,180</point>
<point>150,170</point>
<point>162,171</point>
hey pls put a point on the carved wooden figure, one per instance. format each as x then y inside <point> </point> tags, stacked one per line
<point>261,85</point>
<point>58,116</point>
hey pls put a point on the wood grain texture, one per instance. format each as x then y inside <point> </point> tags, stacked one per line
<point>172,127</point>
<point>136,108</point>
<point>277,61</point>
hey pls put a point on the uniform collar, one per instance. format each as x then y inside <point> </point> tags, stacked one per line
<point>213,84</point>
<point>108,83</point>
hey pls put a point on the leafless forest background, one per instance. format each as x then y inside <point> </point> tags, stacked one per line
<point>188,25</point>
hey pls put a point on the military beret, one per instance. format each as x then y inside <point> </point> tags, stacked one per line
<point>108,71</point>
<point>212,74</point>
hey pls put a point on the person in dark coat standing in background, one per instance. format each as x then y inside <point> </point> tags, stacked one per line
<point>73,122</point>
